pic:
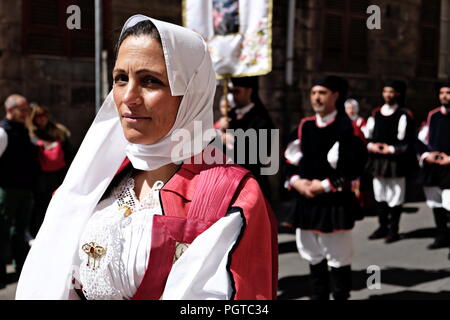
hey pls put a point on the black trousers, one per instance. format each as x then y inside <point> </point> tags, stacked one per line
<point>15,212</point>
<point>389,218</point>
<point>441,217</point>
<point>320,284</point>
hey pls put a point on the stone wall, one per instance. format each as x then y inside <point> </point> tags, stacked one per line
<point>66,86</point>
<point>392,53</point>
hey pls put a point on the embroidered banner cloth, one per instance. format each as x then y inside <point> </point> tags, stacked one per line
<point>238,33</point>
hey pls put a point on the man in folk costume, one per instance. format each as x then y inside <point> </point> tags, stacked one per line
<point>134,218</point>
<point>390,132</point>
<point>18,171</point>
<point>249,113</point>
<point>434,149</point>
<point>322,160</point>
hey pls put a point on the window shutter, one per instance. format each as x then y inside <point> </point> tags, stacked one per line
<point>332,42</point>
<point>359,6</point>
<point>45,44</point>
<point>44,12</point>
<point>357,46</point>
<point>45,30</point>
<point>335,4</point>
<point>344,36</point>
<point>428,56</point>
<point>82,42</point>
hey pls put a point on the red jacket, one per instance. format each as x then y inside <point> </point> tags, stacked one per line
<point>254,261</point>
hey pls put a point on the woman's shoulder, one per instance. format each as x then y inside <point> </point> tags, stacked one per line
<point>247,190</point>
<point>251,200</point>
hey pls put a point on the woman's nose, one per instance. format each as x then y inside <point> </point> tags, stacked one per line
<point>132,94</point>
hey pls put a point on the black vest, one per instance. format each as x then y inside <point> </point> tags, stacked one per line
<point>439,132</point>
<point>19,161</point>
<point>386,127</point>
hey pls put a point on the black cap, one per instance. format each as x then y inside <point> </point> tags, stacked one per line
<point>335,84</point>
<point>398,85</point>
<point>247,82</point>
<point>443,84</point>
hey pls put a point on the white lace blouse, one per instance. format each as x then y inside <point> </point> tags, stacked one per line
<point>115,245</point>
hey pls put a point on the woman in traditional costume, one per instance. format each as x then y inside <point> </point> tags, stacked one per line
<point>141,214</point>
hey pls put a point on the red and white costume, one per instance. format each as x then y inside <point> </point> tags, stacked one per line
<point>208,233</point>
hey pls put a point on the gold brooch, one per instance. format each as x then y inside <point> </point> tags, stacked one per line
<point>94,252</point>
<point>128,210</point>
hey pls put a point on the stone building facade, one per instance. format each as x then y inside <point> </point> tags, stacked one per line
<point>55,67</point>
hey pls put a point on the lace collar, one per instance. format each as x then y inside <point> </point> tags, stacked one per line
<point>126,195</point>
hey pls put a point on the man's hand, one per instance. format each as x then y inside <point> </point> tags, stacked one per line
<point>384,148</point>
<point>433,157</point>
<point>375,147</point>
<point>379,148</point>
<point>303,187</point>
<point>316,187</point>
<point>444,161</point>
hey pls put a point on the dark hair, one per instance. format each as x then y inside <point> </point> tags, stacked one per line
<point>145,27</point>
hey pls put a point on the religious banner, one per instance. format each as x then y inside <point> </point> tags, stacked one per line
<point>238,33</point>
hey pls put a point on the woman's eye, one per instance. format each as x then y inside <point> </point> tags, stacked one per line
<point>150,81</point>
<point>120,78</point>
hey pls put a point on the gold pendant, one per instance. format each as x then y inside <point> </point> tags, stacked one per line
<point>128,210</point>
<point>94,252</point>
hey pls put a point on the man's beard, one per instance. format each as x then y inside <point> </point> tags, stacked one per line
<point>391,102</point>
<point>318,108</point>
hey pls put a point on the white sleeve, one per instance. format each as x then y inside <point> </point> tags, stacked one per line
<point>293,153</point>
<point>422,158</point>
<point>333,155</point>
<point>423,134</point>
<point>3,141</point>
<point>368,128</point>
<point>402,123</point>
<point>201,272</point>
<point>326,185</point>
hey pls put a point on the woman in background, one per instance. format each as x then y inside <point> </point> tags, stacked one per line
<point>52,140</point>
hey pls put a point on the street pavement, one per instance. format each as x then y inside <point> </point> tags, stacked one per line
<point>407,269</point>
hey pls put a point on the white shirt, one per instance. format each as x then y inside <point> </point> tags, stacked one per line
<point>241,112</point>
<point>127,240</point>
<point>387,110</point>
<point>199,270</point>
<point>323,121</point>
<point>3,141</point>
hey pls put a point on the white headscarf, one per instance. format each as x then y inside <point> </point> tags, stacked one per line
<point>47,272</point>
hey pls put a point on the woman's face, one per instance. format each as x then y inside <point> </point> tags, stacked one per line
<point>147,110</point>
<point>41,119</point>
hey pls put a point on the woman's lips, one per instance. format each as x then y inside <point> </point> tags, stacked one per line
<point>134,118</point>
